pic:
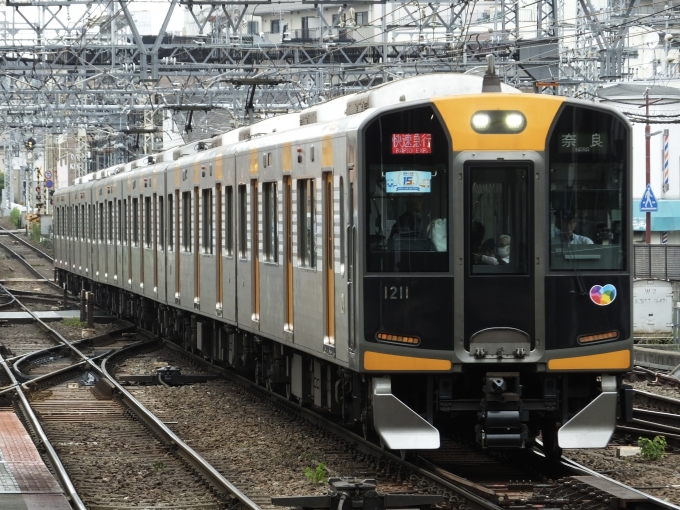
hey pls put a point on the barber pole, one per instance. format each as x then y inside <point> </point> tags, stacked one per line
<point>664,237</point>
<point>665,160</point>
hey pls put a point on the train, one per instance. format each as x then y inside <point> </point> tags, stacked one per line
<point>440,253</point>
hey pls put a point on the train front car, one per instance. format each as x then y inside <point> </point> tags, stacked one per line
<point>495,271</point>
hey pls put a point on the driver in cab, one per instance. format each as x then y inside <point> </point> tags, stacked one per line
<point>565,221</point>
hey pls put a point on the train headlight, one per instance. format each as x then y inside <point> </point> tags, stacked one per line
<point>514,121</point>
<point>481,121</point>
<point>498,122</point>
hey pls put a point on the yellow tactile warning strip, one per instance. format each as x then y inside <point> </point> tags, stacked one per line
<point>539,112</point>
<point>607,361</point>
<point>382,362</point>
<point>22,470</point>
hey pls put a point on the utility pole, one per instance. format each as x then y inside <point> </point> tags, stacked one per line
<point>648,171</point>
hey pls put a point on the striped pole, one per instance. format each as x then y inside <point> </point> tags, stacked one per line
<point>665,160</point>
<point>664,238</point>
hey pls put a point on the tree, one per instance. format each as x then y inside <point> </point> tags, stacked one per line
<point>2,182</point>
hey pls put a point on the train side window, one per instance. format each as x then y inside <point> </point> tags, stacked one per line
<point>271,253</point>
<point>83,234</point>
<point>126,216</point>
<point>306,223</point>
<point>242,221</point>
<point>207,222</point>
<point>229,220</point>
<point>147,222</point>
<point>135,222</point>
<point>341,192</point>
<point>101,223</point>
<point>109,206</point>
<point>171,223</point>
<point>161,224</point>
<point>186,221</point>
<point>407,197</point>
<point>588,160</point>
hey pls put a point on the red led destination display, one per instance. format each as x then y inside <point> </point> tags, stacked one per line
<point>412,143</point>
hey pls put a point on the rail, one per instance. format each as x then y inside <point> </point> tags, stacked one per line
<point>40,253</point>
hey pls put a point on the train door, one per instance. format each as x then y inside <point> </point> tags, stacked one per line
<point>328,267</point>
<point>255,255</point>
<point>351,262</point>
<point>288,250</point>
<point>229,253</point>
<point>499,274</point>
<point>197,256</point>
<point>219,272</point>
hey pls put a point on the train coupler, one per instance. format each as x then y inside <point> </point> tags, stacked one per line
<point>352,493</point>
<point>502,417</point>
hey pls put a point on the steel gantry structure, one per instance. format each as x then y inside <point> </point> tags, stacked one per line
<point>69,64</point>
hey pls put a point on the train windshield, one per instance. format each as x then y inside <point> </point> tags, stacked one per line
<point>588,151</point>
<point>407,193</point>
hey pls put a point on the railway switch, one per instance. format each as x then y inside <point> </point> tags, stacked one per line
<point>352,493</point>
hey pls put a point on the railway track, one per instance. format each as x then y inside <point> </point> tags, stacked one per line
<point>107,450</point>
<point>25,266</point>
<point>466,476</point>
<point>81,412</point>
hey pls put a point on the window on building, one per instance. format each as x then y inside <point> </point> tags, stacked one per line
<point>254,27</point>
<point>306,223</point>
<point>271,253</point>
<point>275,26</point>
<point>207,223</point>
<point>186,221</point>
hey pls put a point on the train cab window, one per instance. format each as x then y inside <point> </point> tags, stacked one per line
<point>207,221</point>
<point>229,220</point>
<point>270,226</point>
<point>186,221</point>
<point>306,223</point>
<point>499,212</point>
<point>588,191</point>
<point>407,192</point>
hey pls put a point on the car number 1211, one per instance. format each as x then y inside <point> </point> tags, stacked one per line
<point>394,292</point>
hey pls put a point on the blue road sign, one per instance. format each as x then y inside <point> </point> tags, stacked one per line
<point>49,184</point>
<point>648,202</point>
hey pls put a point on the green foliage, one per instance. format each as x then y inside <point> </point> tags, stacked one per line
<point>317,476</point>
<point>35,232</point>
<point>2,182</point>
<point>74,322</point>
<point>15,217</point>
<point>159,466</point>
<point>652,449</point>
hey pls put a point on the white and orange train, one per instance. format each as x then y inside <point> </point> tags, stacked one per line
<point>419,255</point>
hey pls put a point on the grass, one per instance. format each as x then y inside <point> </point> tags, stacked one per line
<point>74,322</point>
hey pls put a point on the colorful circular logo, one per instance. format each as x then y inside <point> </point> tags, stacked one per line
<point>603,296</point>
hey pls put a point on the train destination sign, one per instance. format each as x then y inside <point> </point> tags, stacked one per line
<point>583,143</point>
<point>408,181</point>
<point>412,143</point>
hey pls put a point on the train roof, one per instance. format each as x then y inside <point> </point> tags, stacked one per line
<point>416,88</point>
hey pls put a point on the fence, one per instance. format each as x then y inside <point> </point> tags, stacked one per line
<point>660,261</point>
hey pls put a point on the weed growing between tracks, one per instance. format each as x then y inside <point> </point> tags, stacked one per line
<point>652,449</point>
<point>318,476</point>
